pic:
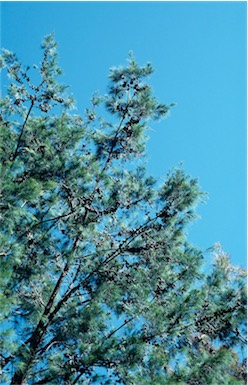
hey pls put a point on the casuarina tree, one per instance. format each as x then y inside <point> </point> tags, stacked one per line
<point>99,284</point>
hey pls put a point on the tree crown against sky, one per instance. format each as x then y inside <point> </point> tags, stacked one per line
<point>98,281</point>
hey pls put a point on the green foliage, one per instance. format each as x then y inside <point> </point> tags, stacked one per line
<point>99,284</point>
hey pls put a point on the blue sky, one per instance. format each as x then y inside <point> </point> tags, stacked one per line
<point>198,50</point>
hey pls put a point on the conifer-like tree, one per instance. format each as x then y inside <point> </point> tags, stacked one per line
<point>99,284</point>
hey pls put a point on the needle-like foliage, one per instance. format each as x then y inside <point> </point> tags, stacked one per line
<point>99,284</point>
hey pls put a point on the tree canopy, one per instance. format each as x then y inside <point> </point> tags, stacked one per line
<point>99,284</point>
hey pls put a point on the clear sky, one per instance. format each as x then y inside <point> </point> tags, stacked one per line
<point>198,50</point>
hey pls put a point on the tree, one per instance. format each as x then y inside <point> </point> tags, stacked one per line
<point>98,281</point>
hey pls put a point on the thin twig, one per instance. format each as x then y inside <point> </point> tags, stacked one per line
<point>22,131</point>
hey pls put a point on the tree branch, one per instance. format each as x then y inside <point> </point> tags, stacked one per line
<point>40,330</point>
<point>22,131</point>
<point>120,327</point>
<point>107,260</point>
<point>16,153</point>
